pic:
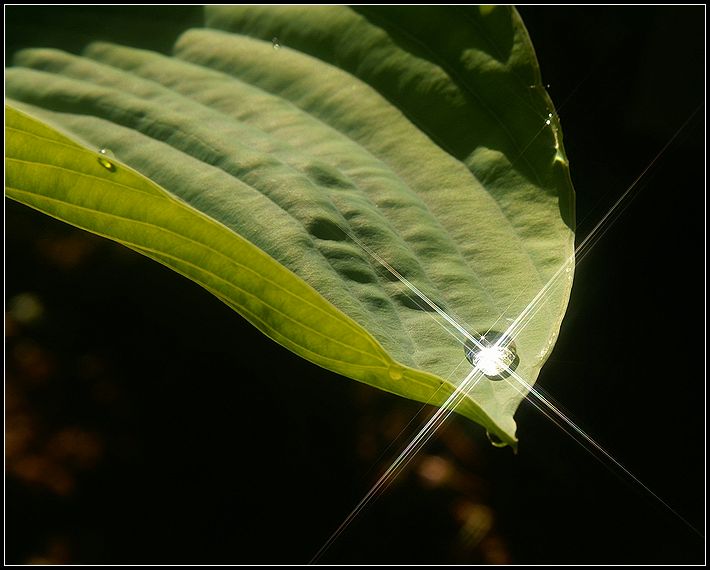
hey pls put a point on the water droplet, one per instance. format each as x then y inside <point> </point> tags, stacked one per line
<point>396,372</point>
<point>493,354</point>
<point>275,43</point>
<point>495,440</point>
<point>548,121</point>
<point>104,158</point>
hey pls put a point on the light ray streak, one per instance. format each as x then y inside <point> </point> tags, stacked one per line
<point>410,422</point>
<point>406,455</point>
<point>449,319</point>
<point>558,417</point>
<point>620,205</point>
<point>594,235</point>
<point>577,433</point>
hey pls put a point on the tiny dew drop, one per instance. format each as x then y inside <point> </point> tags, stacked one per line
<point>495,440</point>
<point>275,43</point>
<point>104,158</point>
<point>492,354</point>
<point>396,373</point>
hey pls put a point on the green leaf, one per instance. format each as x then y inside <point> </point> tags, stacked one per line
<point>258,158</point>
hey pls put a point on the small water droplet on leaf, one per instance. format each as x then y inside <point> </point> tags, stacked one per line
<point>493,354</point>
<point>104,158</point>
<point>495,440</point>
<point>275,43</point>
<point>396,373</point>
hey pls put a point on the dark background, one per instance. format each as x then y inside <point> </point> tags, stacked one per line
<point>147,423</point>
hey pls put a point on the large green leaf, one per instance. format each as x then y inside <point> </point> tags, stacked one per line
<point>250,159</point>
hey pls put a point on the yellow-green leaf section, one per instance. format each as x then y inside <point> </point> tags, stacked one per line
<point>50,172</point>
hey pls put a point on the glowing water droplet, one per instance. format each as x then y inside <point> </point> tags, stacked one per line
<point>275,43</point>
<point>493,354</point>
<point>495,440</point>
<point>104,158</point>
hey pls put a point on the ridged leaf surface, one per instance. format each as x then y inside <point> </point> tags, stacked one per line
<point>263,154</point>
